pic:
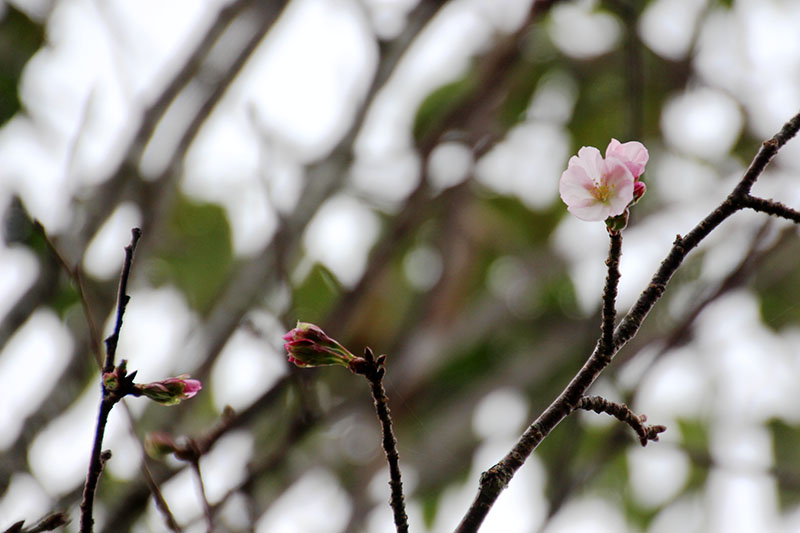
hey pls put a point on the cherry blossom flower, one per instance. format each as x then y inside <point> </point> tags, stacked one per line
<point>595,188</point>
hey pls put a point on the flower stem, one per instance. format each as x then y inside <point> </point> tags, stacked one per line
<point>606,344</point>
<point>373,369</point>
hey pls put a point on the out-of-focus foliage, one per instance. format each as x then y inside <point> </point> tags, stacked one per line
<point>466,271</point>
<point>20,38</point>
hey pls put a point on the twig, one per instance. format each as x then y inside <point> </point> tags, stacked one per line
<point>75,275</point>
<point>203,498</point>
<point>771,207</point>
<point>374,369</point>
<point>48,523</point>
<point>496,479</point>
<point>99,457</point>
<point>155,490</point>
<point>122,300</point>
<point>623,413</point>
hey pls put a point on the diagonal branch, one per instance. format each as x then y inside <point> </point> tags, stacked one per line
<point>496,479</point>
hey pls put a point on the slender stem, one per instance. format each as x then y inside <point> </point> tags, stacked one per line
<point>122,300</point>
<point>96,465</point>
<point>98,457</point>
<point>373,369</point>
<point>392,457</point>
<point>203,498</point>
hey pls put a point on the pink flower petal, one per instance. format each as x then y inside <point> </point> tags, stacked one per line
<point>633,154</point>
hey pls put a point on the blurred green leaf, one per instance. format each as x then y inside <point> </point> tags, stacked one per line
<point>694,437</point>
<point>65,298</point>
<point>777,284</point>
<point>440,103</point>
<point>314,297</point>
<point>786,448</point>
<point>195,251</point>
<point>636,514</point>
<point>694,433</point>
<point>465,368</point>
<point>20,38</point>
<point>430,506</point>
<point>521,223</point>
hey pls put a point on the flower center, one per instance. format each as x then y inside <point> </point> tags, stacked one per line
<point>602,190</point>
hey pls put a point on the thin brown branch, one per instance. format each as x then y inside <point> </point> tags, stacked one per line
<point>122,300</point>
<point>374,369</point>
<point>772,208</point>
<point>623,413</point>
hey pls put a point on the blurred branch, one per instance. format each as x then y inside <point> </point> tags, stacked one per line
<point>473,116</point>
<point>19,226</point>
<point>158,194</point>
<point>50,522</point>
<point>323,179</point>
<point>108,195</point>
<point>496,479</point>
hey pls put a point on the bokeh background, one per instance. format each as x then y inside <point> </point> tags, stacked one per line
<point>388,169</point>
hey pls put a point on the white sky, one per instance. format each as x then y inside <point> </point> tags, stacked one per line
<point>106,60</point>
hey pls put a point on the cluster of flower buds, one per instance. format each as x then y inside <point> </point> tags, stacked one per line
<point>598,188</point>
<point>307,345</point>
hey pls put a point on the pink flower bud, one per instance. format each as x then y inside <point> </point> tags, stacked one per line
<point>639,189</point>
<point>171,391</point>
<point>308,345</point>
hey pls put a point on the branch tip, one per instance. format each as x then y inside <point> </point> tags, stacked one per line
<point>623,413</point>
